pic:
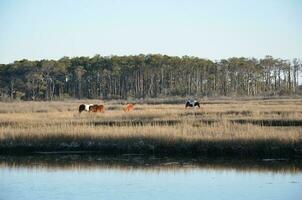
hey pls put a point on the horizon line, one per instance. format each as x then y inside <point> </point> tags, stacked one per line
<point>146,54</point>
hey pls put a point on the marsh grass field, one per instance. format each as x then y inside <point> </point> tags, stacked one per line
<point>243,128</point>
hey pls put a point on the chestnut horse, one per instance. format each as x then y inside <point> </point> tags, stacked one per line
<point>129,107</point>
<point>97,108</point>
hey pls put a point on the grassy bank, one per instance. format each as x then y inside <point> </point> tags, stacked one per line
<point>254,128</point>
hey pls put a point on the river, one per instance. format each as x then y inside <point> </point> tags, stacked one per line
<point>134,177</point>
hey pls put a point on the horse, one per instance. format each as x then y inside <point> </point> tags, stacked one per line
<point>128,107</point>
<point>84,107</point>
<point>193,104</point>
<point>97,108</point>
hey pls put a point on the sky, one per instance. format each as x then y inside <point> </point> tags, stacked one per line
<point>213,29</point>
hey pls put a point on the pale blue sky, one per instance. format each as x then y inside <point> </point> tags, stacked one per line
<point>41,29</point>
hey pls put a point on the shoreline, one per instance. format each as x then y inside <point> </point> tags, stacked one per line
<point>150,147</point>
<point>143,162</point>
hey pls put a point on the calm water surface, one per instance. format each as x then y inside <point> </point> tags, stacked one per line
<point>98,178</point>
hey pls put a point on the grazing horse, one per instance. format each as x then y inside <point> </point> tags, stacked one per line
<point>193,104</point>
<point>97,108</point>
<point>129,107</point>
<point>84,107</point>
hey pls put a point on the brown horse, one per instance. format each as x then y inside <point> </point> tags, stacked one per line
<point>129,107</point>
<point>97,108</point>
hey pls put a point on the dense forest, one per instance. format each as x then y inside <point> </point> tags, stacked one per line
<point>142,76</point>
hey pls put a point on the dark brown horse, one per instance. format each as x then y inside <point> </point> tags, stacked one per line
<point>84,107</point>
<point>192,104</point>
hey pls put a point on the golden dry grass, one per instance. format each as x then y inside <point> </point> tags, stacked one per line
<point>156,129</point>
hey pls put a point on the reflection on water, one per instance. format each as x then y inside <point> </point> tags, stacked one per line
<point>136,177</point>
<point>126,162</point>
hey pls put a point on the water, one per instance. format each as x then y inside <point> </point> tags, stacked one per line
<point>139,178</point>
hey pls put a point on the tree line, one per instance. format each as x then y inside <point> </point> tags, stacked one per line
<point>141,76</point>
